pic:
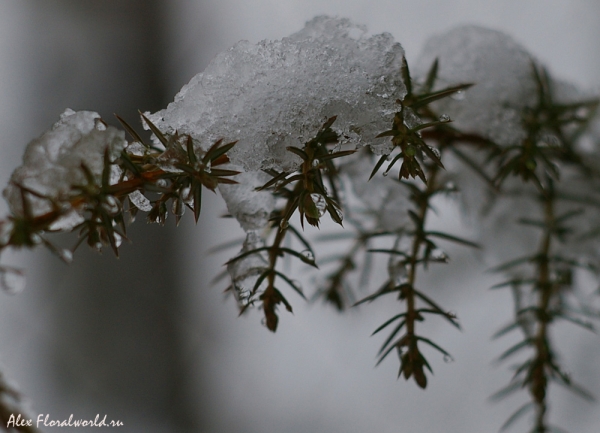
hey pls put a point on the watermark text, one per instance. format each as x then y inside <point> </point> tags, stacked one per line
<point>44,420</point>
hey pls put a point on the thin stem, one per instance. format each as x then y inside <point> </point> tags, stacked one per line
<point>423,207</point>
<point>274,250</point>
<point>118,190</point>
<point>539,380</point>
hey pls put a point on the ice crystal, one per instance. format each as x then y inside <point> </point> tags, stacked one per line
<point>52,162</point>
<point>246,271</point>
<point>136,149</point>
<point>320,203</point>
<point>67,221</point>
<point>140,201</point>
<point>276,94</point>
<point>251,208</point>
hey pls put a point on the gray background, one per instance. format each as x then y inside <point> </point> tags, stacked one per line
<point>146,339</point>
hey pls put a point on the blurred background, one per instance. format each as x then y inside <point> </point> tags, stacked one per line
<point>147,339</point>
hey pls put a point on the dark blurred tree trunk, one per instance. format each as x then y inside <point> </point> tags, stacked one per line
<point>117,345</point>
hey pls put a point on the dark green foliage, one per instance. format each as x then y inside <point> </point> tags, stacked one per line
<point>550,269</point>
<point>551,129</point>
<point>306,194</point>
<point>421,253</point>
<point>102,202</point>
<point>408,138</point>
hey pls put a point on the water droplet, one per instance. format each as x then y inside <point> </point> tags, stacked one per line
<point>444,118</point>
<point>320,203</point>
<point>439,254</point>
<point>118,239</point>
<point>582,112</point>
<point>178,208</point>
<point>434,150</point>
<point>315,163</point>
<point>185,194</point>
<point>448,359</point>
<point>397,270</point>
<point>98,246</point>
<point>308,255</point>
<point>111,200</point>
<point>66,255</point>
<point>111,205</point>
<point>36,239</point>
<point>450,186</point>
<point>458,96</point>
<point>284,224</point>
<point>12,280</point>
<point>385,173</point>
<point>161,183</point>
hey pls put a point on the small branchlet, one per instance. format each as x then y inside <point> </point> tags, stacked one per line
<point>403,272</point>
<point>177,173</point>
<point>551,129</point>
<point>552,280</point>
<point>309,196</point>
<point>548,147</point>
<point>185,173</point>
<point>423,250</point>
<point>406,129</point>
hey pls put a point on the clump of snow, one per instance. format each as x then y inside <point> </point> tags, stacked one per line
<point>251,208</point>
<point>246,271</point>
<point>276,94</point>
<point>500,68</point>
<point>52,162</point>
